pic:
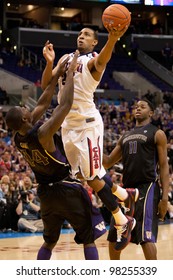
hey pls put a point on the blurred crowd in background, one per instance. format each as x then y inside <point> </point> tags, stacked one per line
<point>16,176</point>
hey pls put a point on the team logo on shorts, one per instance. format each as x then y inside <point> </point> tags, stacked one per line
<point>148,234</point>
<point>100,226</point>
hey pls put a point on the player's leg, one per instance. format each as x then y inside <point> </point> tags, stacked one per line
<point>149,250</point>
<point>50,199</point>
<point>91,252</point>
<point>113,254</point>
<point>91,150</point>
<point>124,224</point>
<point>146,230</point>
<point>87,147</point>
<point>45,251</point>
<point>127,197</point>
<point>88,224</point>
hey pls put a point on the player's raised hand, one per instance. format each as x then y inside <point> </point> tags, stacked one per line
<point>48,52</point>
<point>62,67</point>
<point>116,32</point>
<point>73,63</point>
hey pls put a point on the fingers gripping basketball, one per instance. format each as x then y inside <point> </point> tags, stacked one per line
<point>116,16</point>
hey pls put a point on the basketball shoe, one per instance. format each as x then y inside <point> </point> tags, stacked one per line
<point>129,204</point>
<point>124,233</point>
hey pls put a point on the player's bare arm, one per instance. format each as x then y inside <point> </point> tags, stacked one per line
<point>161,142</point>
<point>49,128</point>
<point>98,64</point>
<point>46,97</point>
<point>114,157</point>
<point>49,55</point>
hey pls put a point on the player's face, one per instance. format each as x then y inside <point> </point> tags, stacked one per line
<point>142,111</point>
<point>26,113</point>
<point>86,41</point>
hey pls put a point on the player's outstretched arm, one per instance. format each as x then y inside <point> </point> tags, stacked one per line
<point>106,52</point>
<point>49,71</point>
<point>49,55</point>
<point>46,97</point>
<point>113,157</point>
<point>49,128</point>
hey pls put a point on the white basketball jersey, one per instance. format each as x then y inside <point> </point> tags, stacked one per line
<point>83,107</point>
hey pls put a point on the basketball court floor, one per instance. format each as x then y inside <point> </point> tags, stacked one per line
<point>24,246</point>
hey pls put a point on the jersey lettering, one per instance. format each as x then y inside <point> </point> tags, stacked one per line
<point>79,68</point>
<point>36,157</point>
<point>132,147</point>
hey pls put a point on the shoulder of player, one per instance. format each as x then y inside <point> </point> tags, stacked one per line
<point>160,136</point>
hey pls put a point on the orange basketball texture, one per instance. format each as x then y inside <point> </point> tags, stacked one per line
<point>116,15</point>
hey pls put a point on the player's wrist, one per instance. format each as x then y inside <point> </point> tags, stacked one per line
<point>50,63</point>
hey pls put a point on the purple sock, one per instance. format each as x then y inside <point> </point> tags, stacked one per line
<point>91,253</point>
<point>44,254</point>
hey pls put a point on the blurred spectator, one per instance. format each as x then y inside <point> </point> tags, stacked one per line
<point>5,184</point>
<point>112,112</point>
<point>3,169</point>
<point>122,109</point>
<point>167,53</point>
<point>28,210</point>
<point>4,98</point>
<point>2,194</point>
<point>156,120</point>
<point>5,136</point>
<point>149,95</point>
<point>7,160</point>
<point>22,167</point>
<point>25,184</point>
<point>3,146</point>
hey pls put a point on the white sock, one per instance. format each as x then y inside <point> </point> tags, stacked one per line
<point>171,214</point>
<point>121,193</point>
<point>120,218</point>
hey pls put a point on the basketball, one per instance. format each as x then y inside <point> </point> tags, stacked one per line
<point>116,15</point>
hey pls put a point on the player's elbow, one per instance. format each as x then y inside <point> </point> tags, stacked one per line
<point>43,86</point>
<point>106,161</point>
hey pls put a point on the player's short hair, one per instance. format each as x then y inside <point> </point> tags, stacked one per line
<point>13,119</point>
<point>150,104</point>
<point>95,32</point>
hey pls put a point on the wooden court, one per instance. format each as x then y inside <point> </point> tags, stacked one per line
<point>25,248</point>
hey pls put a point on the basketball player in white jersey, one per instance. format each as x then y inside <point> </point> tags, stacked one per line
<point>82,129</point>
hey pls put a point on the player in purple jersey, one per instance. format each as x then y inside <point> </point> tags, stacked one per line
<point>58,192</point>
<point>143,152</point>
